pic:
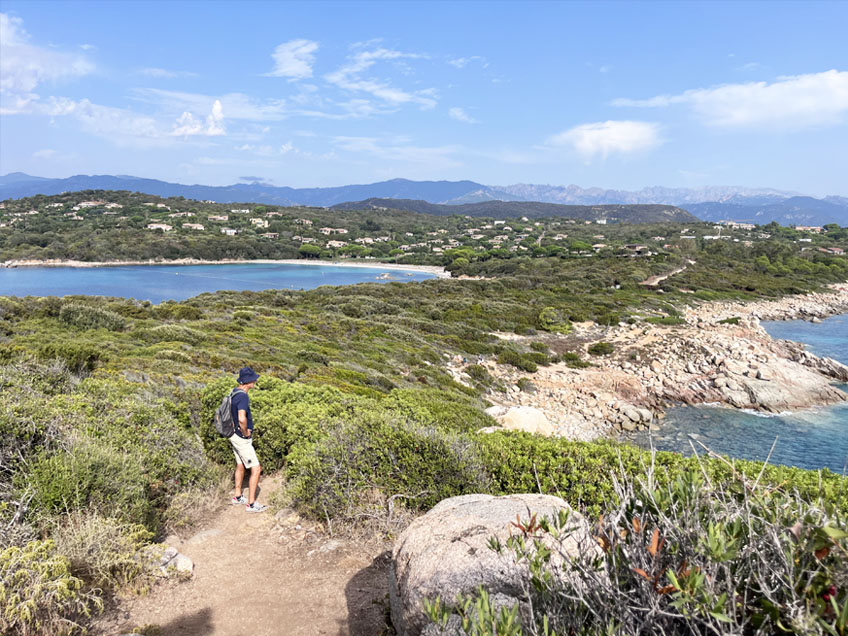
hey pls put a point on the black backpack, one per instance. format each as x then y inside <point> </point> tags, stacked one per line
<point>224,423</point>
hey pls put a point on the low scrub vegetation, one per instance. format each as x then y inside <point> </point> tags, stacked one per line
<point>693,555</point>
<point>106,416</point>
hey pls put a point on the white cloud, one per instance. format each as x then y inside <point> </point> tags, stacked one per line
<point>459,114</point>
<point>400,150</point>
<point>294,59</point>
<point>23,66</point>
<point>164,73</point>
<point>606,138</point>
<point>187,125</point>
<point>266,150</point>
<point>236,105</point>
<point>349,77</point>
<point>791,102</point>
<point>462,62</point>
<point>46,153</point>
<point>750,66</point>
<point>118,125</point>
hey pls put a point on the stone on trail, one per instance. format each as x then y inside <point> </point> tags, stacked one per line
<point>183,564</point>
<point>168,561</point>
<point>446,553</point>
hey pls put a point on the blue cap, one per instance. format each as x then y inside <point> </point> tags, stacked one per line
<point>247,375</point>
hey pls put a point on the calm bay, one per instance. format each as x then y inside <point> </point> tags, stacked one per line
<point>157,283</point>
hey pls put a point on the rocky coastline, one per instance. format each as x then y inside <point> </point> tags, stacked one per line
<point>720,355</point>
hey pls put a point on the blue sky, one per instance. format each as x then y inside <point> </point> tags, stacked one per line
<point>607,94</point>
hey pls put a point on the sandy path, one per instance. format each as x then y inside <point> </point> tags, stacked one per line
<point>257,575</point>
<point>653,281</point>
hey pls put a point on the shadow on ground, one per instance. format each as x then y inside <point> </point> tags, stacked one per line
<point>197,624</point>
<point>367,596</point>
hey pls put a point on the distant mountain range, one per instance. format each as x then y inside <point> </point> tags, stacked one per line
<point>711,203</point>
<point>639,213</point>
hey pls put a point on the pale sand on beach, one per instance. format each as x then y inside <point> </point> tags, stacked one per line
<point>439,272</point>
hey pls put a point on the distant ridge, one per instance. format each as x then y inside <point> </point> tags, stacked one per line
<point>639,213</point>
<point>714,203</point>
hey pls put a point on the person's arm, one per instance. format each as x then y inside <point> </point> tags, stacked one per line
<point>243,423</point>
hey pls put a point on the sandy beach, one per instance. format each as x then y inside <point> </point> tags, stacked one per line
<point>439,272</point>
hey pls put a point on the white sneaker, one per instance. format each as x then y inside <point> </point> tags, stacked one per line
<point>255,507</point>
<point>241,499</point>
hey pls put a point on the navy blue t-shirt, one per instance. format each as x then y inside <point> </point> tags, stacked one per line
<point>241,402</point>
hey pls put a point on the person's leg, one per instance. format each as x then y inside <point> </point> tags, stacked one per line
<point>239,478</point>
<point>254,482</point>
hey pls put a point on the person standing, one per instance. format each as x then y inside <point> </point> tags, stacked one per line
<point>242,441</point>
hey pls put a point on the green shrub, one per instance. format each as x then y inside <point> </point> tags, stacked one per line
<point>244,316</point>
<point>601,348</point>
<point>313,356</point>
<point>173,333</point>
<point>86,317</point>
<point>729,321</point>
<point>175,356</point>
<point>573,360</point>
<point>541,347</point>
<point>552,319</point>
<point>526,385</point>
<point>479,373</point>
<point>90,475</point>
<point>666,320</point>
<point>608,319</point>
<point>512,357</point>
<point>537,358</point>
<point>79,357</point>
<point>38,594</point>
<point>378,457</point>
<point>103,551</point>
<point>434,407</point>
<point>187,312</point>
<point>581,472</point>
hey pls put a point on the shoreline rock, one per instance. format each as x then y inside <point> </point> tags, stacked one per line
<point>707,360</point>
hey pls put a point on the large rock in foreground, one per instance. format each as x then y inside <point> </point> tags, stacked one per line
<point>445,553</point>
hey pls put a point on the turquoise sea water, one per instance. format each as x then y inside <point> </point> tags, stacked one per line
<point>178,282</point>
<point>817,438</point>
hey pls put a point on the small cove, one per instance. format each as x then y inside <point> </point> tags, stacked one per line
<point>816,438</point>
<point>157,283</point>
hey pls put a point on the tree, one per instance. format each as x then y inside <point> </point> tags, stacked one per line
<point>309,251</point>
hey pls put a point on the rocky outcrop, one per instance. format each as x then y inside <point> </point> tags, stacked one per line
<point>522,418</point>
<point>720,354</point>
<point>446,553</point>
<point>813,307</point>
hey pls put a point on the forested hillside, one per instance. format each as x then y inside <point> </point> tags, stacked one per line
<point>534,210</point>
<point>119,226</point>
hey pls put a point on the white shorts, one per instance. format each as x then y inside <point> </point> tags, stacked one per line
<point>243,450</point>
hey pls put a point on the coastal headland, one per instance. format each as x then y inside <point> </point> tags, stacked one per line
<point>719,354</point>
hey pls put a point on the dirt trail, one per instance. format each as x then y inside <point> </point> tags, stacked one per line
<point>653,281</point>
<point>261,575</point>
